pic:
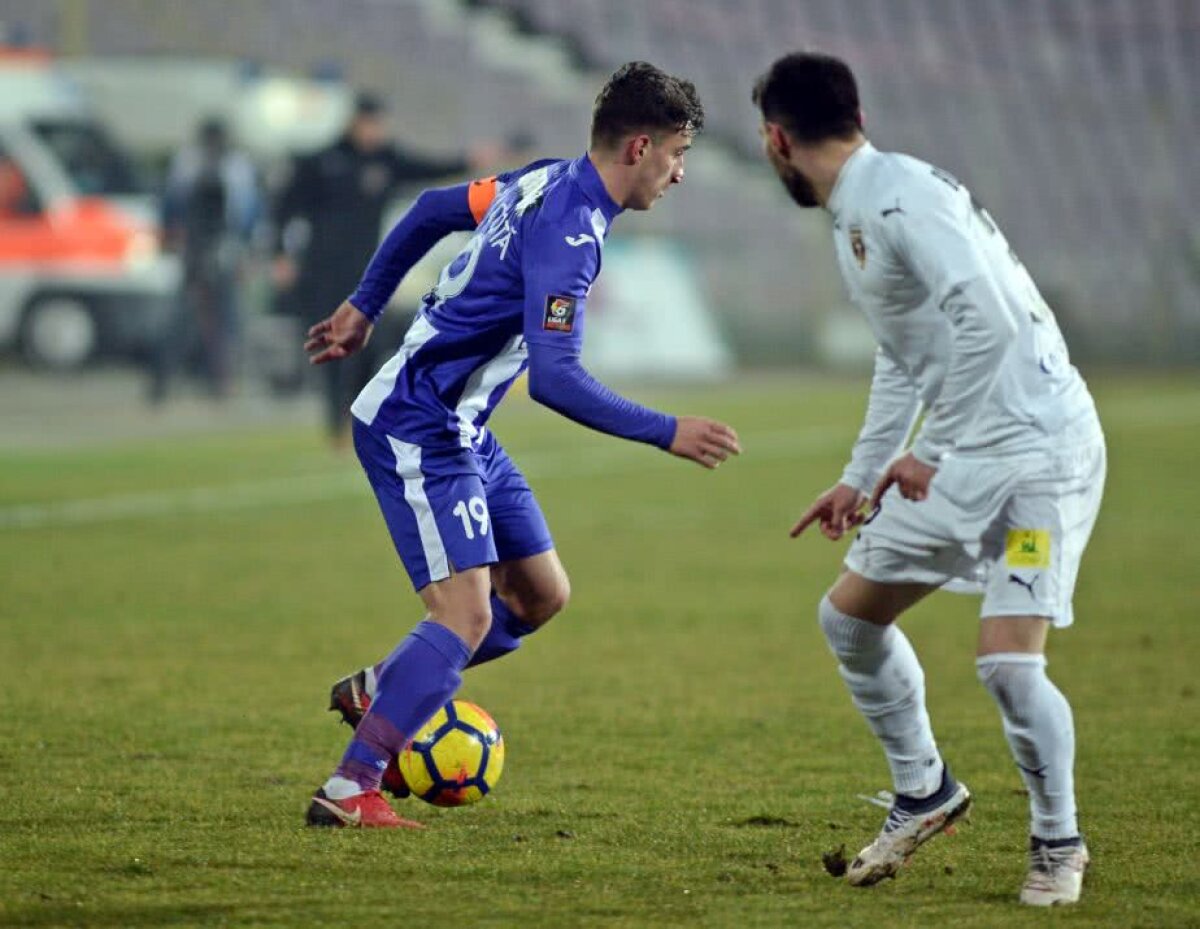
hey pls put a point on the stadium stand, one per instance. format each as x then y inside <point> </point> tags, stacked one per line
<point>1073,121</point>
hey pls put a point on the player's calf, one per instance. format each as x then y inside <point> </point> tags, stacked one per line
<point>1040,730</point>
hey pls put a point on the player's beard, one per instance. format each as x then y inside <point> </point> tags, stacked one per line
<point>799,187</point>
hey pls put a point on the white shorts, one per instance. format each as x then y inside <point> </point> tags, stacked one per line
<point>1013,529</point>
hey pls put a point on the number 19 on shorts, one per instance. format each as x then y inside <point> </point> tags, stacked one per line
<point>472,512</point>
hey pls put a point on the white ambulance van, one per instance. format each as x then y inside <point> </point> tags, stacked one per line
<point>81,272</point>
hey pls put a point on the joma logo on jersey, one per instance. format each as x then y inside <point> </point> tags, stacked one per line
<point>560,313</point>
<point>858,246</point>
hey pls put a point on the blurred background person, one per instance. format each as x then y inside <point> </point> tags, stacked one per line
<point>329,218</point>
<point>211,207</point>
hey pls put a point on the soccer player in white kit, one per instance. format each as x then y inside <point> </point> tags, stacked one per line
<point>997,492</point>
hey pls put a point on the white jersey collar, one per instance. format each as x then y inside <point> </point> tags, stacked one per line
<point>845,179</point>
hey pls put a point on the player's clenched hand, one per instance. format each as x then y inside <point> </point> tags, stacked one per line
<point>837,510</point>
<point>704,441</point>
<point>339,335</point>
<point>910,474</point>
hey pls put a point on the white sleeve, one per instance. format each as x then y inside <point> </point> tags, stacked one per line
<point>934,238</point>
<point>892,409</point>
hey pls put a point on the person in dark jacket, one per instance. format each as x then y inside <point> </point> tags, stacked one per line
<point>329,217</point>
<point>211,207</point>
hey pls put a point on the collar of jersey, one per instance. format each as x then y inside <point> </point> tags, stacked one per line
<point>845,178</point>
<point>589,181</point>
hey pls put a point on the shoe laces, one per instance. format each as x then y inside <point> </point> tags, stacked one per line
<point>1049,861</point>
<point>897,818</point>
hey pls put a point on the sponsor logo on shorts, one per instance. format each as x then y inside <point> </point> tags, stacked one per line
<point>560,314</point>
<point>1027,548</point>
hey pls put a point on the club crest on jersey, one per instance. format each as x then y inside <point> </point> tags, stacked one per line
<point>560,313</point>
<point>858,246</point>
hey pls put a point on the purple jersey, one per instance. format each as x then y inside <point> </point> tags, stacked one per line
<point>514,297</point>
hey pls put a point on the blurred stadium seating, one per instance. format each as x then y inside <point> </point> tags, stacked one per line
<point>1073,121</point>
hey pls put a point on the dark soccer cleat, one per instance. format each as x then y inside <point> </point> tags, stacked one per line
<point>350,698</point>
<point>367,810</point>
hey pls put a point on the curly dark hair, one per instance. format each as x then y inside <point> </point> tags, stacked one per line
<point>641,97</point>
<point>813,96</point>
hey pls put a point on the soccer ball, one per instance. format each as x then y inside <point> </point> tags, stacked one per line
<point>455,758</point>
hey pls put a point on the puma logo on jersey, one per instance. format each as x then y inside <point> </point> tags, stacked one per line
<point>577,240</point>
<point>892,209</point>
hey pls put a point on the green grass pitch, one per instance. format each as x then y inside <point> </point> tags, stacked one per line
<point>681,750</point>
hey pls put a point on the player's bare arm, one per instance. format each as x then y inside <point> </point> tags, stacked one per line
<point>339,335</point>
<point>836,511</point>
<point>704,441</point>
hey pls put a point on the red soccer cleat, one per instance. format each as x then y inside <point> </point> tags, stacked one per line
<point>367,810</point>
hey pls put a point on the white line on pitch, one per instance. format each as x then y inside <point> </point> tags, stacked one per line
<point>620,458</point>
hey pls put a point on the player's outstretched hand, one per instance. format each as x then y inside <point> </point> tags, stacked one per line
<point>704,441</point>
<point>908,473</point>
<point>836,511</point>
<point>339,335</point>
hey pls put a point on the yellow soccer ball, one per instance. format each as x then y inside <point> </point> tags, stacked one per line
<point>455,758</point>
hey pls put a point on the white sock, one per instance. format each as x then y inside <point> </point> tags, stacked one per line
<point>885,679</point>
<point>339,788</point>
<point>1041,733</point>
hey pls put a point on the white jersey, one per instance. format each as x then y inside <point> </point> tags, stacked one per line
<point>961,327</point>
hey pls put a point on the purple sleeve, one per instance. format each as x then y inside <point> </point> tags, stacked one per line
<point>434,215</point>
<point>557,278</point>
<point>559,381</point>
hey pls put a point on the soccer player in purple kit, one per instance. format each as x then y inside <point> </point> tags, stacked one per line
<point>463,519</point>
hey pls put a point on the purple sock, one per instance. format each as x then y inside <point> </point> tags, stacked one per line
<point>504,636</point>
<point>415,680</point>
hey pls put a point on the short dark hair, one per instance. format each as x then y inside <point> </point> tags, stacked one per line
<point>640,97</point>
<point>369,103</point>
<point>813,96</point>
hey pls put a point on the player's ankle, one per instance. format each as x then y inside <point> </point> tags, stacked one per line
<point>342,788</point>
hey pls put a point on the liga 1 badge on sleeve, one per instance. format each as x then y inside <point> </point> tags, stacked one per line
<point>560,313</point>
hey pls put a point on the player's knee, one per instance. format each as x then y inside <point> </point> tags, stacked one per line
<point>855,642</point>
<point>474,623</point>
<point>538,606</point>
<point>1011,679</point>
<point>839,629</point>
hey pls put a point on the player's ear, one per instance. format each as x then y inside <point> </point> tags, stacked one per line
<point>636,148</point>
<point>778,139</point>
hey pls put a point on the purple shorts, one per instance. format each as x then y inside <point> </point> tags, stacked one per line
<point>451,509</point>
